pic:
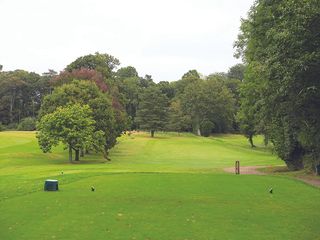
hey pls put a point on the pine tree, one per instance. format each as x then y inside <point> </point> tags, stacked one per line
<point>152,112</point>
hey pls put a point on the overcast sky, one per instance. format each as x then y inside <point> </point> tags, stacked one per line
<point>163,38</point>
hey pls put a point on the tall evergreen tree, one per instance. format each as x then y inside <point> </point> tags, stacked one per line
<point>152,114</point>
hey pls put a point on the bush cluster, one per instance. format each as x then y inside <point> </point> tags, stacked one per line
<point>27,124</point>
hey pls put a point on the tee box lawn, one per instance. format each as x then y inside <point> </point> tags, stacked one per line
<point>169,187</point>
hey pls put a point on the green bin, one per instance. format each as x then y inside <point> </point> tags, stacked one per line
<point>51,185</point>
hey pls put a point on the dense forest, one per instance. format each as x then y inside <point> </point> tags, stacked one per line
<point>195,103</point>
<point>275,93</point>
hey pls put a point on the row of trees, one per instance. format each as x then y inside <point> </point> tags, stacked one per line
<point>112,100</point>
<point>21,93</point>
<point>202,105</point>
<point>280,96</point>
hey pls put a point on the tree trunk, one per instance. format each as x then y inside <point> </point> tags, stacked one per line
<point>106,156</point>
<point>266,140</point>
<point>196,126</point>
<point>77,158</point>
<point>295,162</point>
<point>81,152</point>
<point>198,132</point>
<point>152,133</point>
<point>251,141</point>
<point>33,115</point>
<point>13,93</point>
<point>70,153</point>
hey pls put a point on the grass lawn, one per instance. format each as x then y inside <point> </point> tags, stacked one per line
<point>170,187</point>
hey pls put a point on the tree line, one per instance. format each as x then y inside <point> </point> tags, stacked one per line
<point>93,101</point>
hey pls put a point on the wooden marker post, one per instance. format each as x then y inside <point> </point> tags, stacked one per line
<point>237,167</point>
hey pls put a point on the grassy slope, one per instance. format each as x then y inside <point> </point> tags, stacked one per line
<point>172,152</point>
<point>189,198</point>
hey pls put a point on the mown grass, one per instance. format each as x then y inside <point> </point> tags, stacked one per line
<point>169,187</point>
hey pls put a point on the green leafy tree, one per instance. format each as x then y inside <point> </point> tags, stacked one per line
<point>234,85</point>
<point>130,89</point>
<point>279,41</point>
<point>179,121</point>
<point>208,100</point>
<point>21,93</point>
<point>237,71</point>
<point>251,123</point>
<point>126,72</point>
<point>247,122</point>
<point>87,93</point>
<point>152,112</point>
<point>106,65</point>
<point>190,77</point>
<point>2,127</point>
<point>72,125</point>
<point>130,86</point>
<point>103,63</point>
<point>146,81</point>
<point>193,104</point>
<point>167,89</point>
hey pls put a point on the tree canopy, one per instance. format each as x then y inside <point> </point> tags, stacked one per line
<point>153,110</point>
<point>86,93</point>
<point>280,43</point>
<point>210,104</point>
<point>21,94</point>
<point>103,63</point>
<point>72,125</point>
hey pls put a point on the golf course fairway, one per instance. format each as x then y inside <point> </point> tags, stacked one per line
<point>169,187</point>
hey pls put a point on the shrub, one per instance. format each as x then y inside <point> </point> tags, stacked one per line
<point>27,124</point>
<point>12,126</point>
